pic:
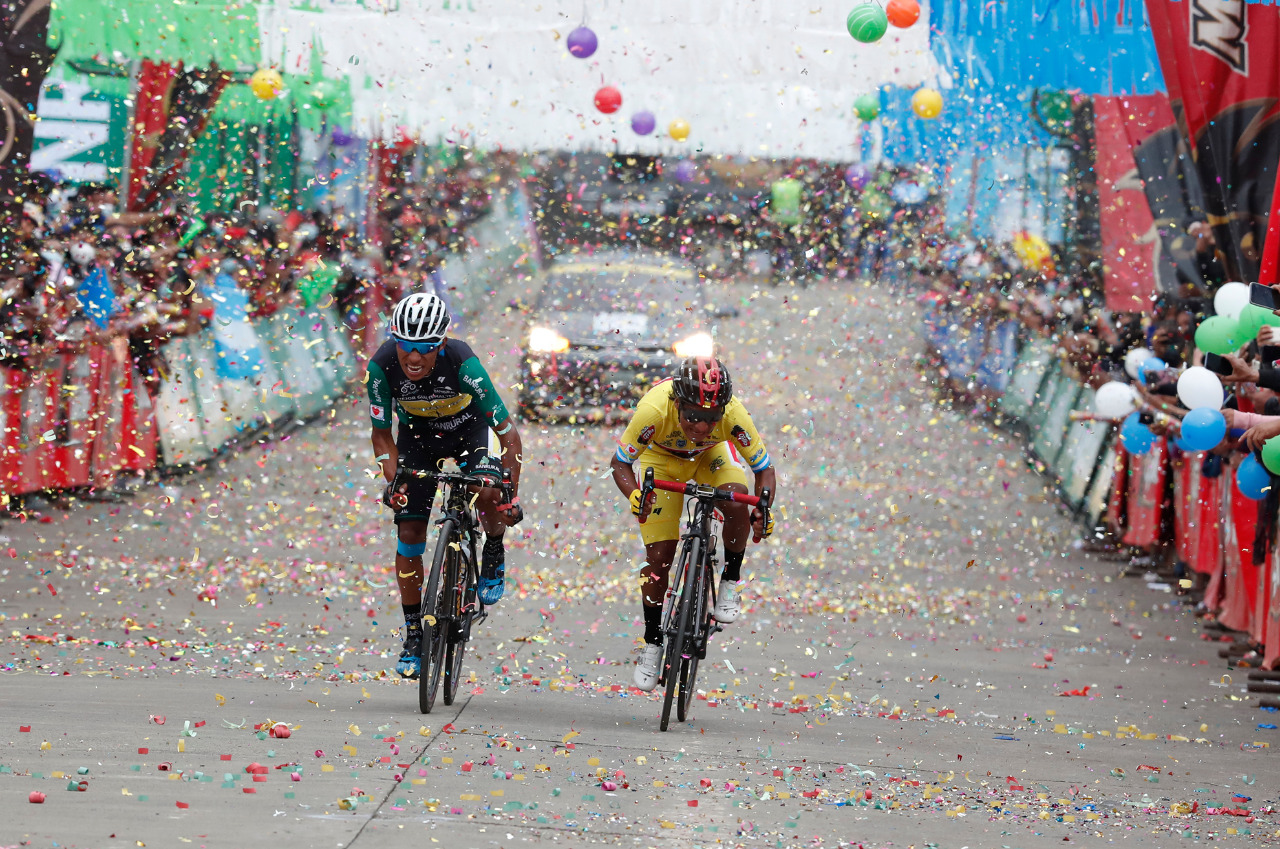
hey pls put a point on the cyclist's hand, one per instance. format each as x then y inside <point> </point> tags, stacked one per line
<point>512,512</point>
<point>761,524</point>
<point>638,509</point>
<point>395,496</point>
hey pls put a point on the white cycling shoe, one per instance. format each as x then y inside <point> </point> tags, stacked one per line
<point>728,603</point>
<point>649,667</point>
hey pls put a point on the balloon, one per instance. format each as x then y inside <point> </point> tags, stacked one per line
<point>1271,455</point>
<point>1113,400</point>
<point>1231,299</point>
<point>1136,436</point>
<point>404,140</point>
<point>642,123</point>
<point>340,137</point>
<point>927,103</point>
<point>1203,429</point>
<point>902,13</point>
<point>1252,479</point>
<point>1254,318</point>
<point>266,83</point>
<point>1218,334</point>
<point>867,23</point>
<point>1135,358</point>
<point>1150,364</point>
<point>857,175</point>
<point>582,42</point>
<point>867,107</point>
<point>1198,387</point>
<point>678,129</point>
<point>322,94</point>
<point>608,100</point>
<point>686,170</point>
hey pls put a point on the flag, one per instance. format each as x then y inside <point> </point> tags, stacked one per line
<point>97,299</point>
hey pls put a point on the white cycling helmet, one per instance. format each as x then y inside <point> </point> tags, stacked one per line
<point>420,318</point>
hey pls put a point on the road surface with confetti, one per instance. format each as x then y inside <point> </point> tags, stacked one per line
<point>922,661</point>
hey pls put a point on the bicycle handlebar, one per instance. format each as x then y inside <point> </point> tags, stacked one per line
<point>709,492</point>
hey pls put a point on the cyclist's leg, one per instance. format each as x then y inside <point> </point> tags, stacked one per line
<point>411,542</point>
<point>476,455</point>
<point>661,536</point>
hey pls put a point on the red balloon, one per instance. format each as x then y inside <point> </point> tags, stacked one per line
<point>902,13</point>
<point>608,100</point>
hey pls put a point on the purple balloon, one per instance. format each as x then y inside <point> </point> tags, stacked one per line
<point>856,175</point>
<point>340,137</point>
<point>686,170</point>
<point>582,42</point>
<point>643,123</point>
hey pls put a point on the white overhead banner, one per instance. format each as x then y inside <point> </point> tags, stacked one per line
<point>756,77</point>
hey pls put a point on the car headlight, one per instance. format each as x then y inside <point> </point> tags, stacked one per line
<point>546,341</point>
<point>697,345</point>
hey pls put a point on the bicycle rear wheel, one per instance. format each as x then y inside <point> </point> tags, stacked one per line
<point>696,644</point>
<point>435,619</point>
<point>679,638</point>
<point>463,597</point>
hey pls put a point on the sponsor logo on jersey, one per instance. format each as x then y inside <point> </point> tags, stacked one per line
<point>740,434</point>
<point>716,464</point>
<point>377,412</point>
<point>630,450</point>
<point>646,434</point>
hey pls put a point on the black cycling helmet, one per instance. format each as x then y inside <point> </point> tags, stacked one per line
<point>703,382</point>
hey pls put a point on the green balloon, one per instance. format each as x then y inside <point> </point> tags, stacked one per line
<point>867,22</point>
<point>1271,455</point>
<point>1254,318</point>
<point>867,107</point>
<point>323,93</point>
<point>1220,335</point>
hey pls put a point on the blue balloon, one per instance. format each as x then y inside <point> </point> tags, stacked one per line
<point>1253,479</point>
<point>1203,429</point>
<point>1150,364</point>
<point>1136,436</point>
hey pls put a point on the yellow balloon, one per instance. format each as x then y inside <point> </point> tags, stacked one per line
<point>927,103</point>
<point>678,129</point>
<point>266,83</point>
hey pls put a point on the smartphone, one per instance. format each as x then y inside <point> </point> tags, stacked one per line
<point>1262,296</point>
<point>1217,364</point>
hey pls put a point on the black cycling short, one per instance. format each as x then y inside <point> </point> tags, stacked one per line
<point>469,448</point>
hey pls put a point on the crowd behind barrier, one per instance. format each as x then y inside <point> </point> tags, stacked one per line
<point>132,344</point>
<point>1177,518</point>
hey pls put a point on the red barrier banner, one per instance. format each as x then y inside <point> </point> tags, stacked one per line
<point>1117,514</point>
<point>1240,575</point>
<point>1207,557</point>
<point>1146,495</point>
<point>1130,241</point>
<point>1186,493</point>
<point>1271,611</point>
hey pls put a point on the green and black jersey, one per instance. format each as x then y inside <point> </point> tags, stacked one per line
<point>456,393</point>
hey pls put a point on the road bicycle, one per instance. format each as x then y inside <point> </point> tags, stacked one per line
<point>687,625</point>
<point>450,597</point>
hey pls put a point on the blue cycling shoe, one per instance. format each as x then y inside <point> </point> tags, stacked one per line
<point>493,571</point>
<point>410,662</point>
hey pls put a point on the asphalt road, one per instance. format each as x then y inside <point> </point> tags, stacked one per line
<point>924,660</point>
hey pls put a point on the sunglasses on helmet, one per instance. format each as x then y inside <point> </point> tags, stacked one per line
<point>420,347</point>
<point>699,415</point>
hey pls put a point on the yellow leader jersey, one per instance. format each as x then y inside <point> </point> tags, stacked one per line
<point>656,426</point>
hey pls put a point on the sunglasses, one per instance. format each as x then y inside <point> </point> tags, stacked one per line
<point>420,347</point>
<point>693,414</point>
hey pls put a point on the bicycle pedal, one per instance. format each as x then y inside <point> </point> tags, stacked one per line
<point>477,618</point>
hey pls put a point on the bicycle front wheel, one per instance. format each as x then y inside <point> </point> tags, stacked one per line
<point>435,618</point>
<point>462,602</point>
<point>695,642</point>
<point>680,639</point>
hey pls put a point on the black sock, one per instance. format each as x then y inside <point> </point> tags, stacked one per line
<point>493,553</point>
<point>412,617</point>
<point>732,565</point>
<point>653,625</point>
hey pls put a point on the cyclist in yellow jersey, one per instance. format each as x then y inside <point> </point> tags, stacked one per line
<point>691,428</point>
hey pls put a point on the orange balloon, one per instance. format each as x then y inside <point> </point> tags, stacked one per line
<point>902,13</point>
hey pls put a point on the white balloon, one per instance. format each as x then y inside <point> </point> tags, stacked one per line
<point>1114,400</point>
<point>1199,387</point>
<point>1135,358</point>
<point>1231,299</point>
